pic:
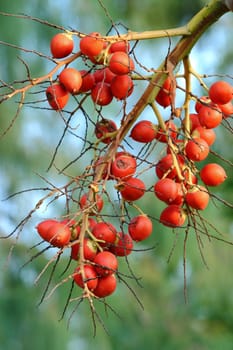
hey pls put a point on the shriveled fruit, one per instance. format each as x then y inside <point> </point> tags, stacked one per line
<point>124,166</point>
<point>213,174</point>
<point>104,127</point>
<point>140,227</point>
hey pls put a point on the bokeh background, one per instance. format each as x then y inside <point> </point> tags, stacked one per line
<point>166,321</point>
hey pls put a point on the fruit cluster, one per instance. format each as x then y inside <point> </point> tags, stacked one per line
<point>94,242</point>
<point>96,253</point>
<point>177,173</point>
<point>111,79</point>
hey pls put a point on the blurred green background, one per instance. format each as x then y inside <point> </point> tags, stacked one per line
<point>166,321</point>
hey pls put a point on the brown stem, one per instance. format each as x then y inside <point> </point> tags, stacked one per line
<point>44,77</point>
<point>197,26</point>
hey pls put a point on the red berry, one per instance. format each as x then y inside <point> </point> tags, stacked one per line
<point>43,226</point>
<point>132,189</point>
<point>197,197</point>
<point>164,96</point>
<point>88,81</point>
<point>105,231</point>
<point>213,174</point>
<point>143,131</point>
<point>101,94</point>
<point>105,263</point>
<point>122,86</point>
<point>210,116</point>
<point>89,250</point>
<point>120,63</point>
<point>194,121</point>
<point>104,75</point>
<point>206,134</point>
<point>221,92</point>
<point>123,245</point>
<point>165,166</point>
<point>119,46</point>
<point>197,149</point>
<point>166,190</point>
<point>173,216</point>
<point>74,228</point>
<point>97,204</point>
<point>58,235</point>
<point>140,228</point>
<point>57,96</point>
<point>106,286</point>
<point>61,45</point>
<point>71,79</point>
<point>202,101</point>
<point>91,223</point>
<point>189,178</point>
<point>92,44</point>
<point>169,133</point>
<point>227,109</point>
<point>180,194</point>
<point>90,277</point>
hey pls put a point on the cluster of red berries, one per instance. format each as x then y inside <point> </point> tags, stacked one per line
<point>177,173</point>
<point>96,250</point>
<point>122,169</point>
<point>111,79</point>
<point>99,249</point>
